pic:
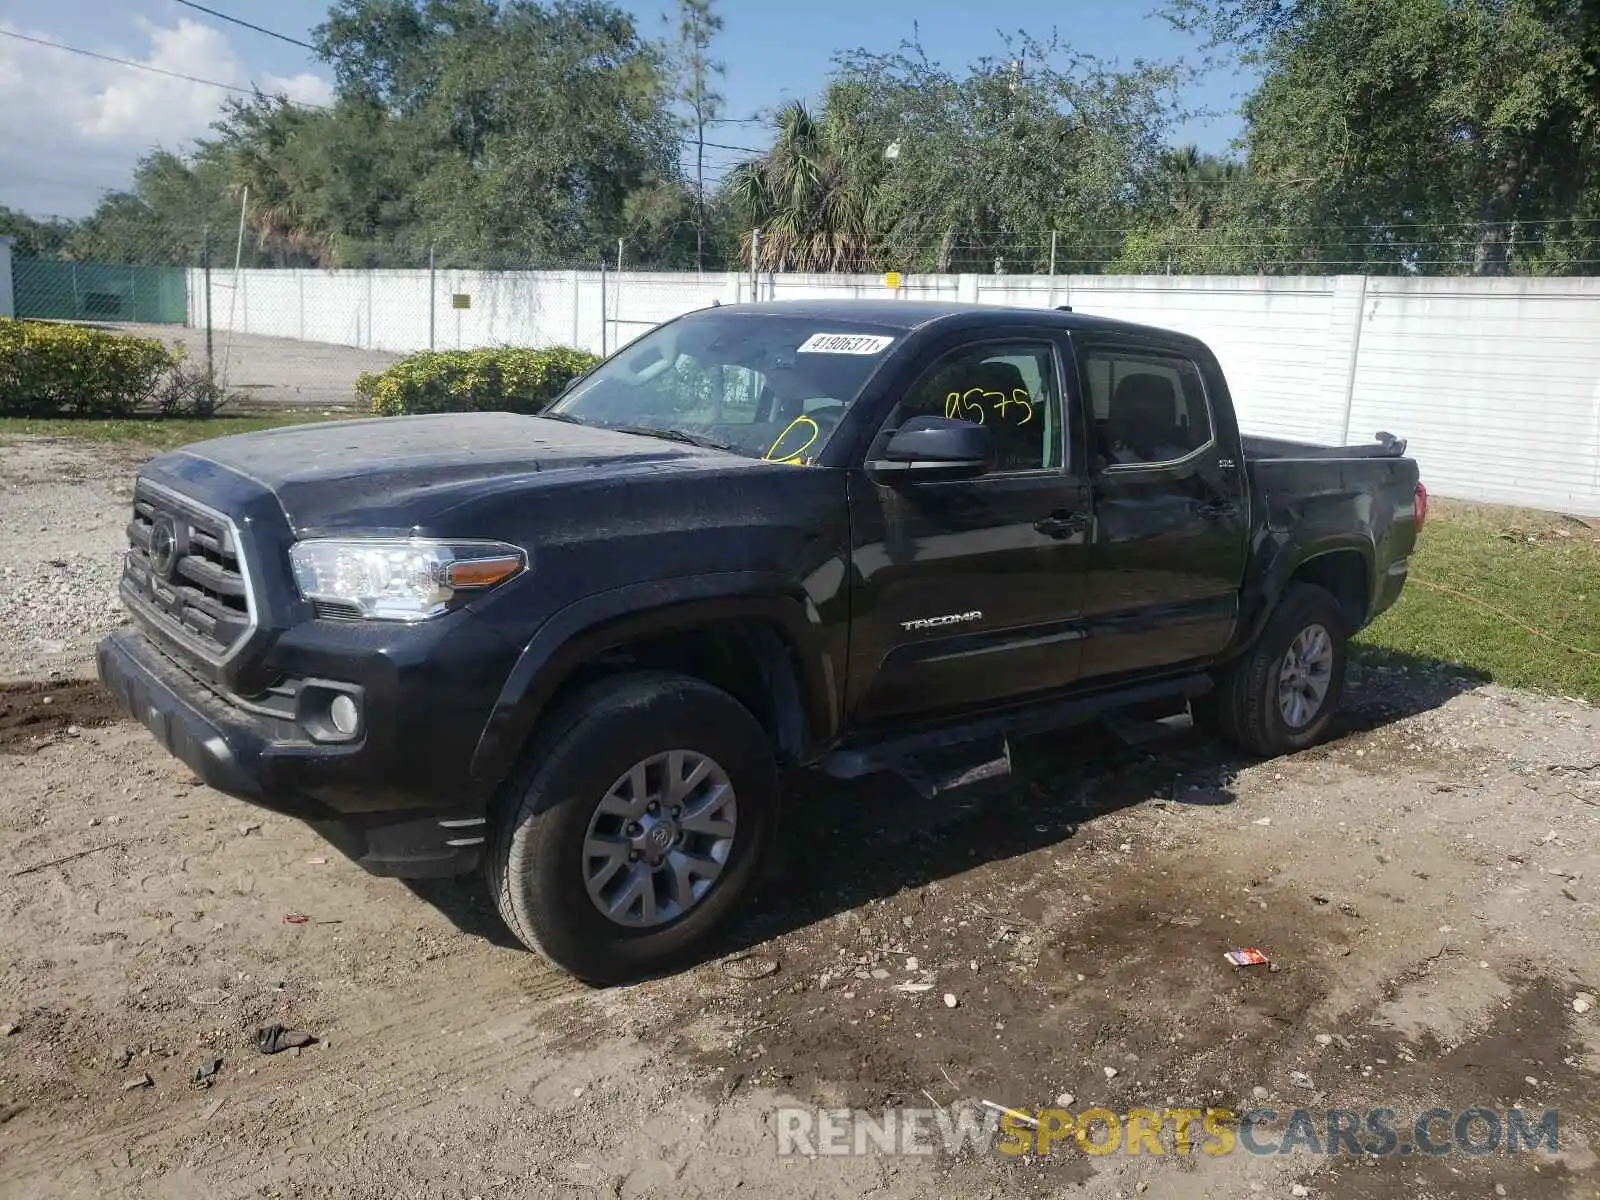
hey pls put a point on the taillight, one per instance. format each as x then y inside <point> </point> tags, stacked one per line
<point>1421,506</point>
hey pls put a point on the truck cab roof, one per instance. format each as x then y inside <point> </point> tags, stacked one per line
<point>908,315</point>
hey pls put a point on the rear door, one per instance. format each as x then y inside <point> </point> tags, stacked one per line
<point>970,592</point>
<point>1171,507</point>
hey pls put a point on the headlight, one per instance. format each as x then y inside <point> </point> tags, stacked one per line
<point>399,579</point>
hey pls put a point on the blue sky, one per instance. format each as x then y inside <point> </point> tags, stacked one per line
<point>88,121</point>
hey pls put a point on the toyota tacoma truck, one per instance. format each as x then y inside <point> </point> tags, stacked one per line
<point>581,649</point>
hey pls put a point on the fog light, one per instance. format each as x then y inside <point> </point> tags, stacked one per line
<point>344,715</point>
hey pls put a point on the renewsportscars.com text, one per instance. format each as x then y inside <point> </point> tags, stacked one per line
<point>1476,1130</point>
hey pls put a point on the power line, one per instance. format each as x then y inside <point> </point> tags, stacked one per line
<point>282,37</point>
<point>690,140</point>
<point>139,66</point>
<point>31,177</point>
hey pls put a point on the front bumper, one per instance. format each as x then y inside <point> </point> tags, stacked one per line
<point>245,756</point>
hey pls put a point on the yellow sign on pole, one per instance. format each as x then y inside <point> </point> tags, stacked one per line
<point>460,300</point>
<point>892,279</point>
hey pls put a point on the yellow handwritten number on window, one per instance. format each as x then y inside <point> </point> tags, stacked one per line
<point>960,406</point>
<point>1018,399</point>
<point>968,406</point>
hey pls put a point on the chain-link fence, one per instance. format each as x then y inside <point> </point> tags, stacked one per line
<point>273,333</point>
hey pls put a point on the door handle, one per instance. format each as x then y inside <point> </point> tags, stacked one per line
<point>1219,510</point>
<point>1062,523</point>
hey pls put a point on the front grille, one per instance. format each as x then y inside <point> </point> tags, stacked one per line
<point>184,570</point>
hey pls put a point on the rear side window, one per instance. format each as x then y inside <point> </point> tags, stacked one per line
<point>1145,409</point>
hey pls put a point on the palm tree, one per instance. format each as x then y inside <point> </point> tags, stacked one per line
<point>255,149</point>
<point>1200,184</point>
<point>808,197</point>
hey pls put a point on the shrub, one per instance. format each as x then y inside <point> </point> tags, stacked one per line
<point>51,370</point>
<point>501,379</point>
<point>188,391</point>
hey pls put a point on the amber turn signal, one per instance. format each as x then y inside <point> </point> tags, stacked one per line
<point>482,572</point>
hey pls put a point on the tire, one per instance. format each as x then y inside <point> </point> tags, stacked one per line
<point>539,862</point>
<point>1246,705</point>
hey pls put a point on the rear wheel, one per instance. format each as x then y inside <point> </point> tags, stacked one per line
<point>636,828</point>
<point>1280,696</point>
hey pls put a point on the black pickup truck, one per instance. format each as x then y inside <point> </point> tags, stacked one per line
<point>581,649</point>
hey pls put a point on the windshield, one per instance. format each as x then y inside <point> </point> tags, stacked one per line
<point>770,387</point>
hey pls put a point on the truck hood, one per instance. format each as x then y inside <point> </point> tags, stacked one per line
<point>401,472</point>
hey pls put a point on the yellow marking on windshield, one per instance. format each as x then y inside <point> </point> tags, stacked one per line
<point>794,458</point>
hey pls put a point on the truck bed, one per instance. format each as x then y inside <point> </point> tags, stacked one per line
<point>1259,449</point>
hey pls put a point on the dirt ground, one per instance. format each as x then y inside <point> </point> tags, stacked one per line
<point>1425,886</point>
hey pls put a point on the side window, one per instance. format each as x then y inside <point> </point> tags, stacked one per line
<point>1145,409</point>
<point>1009,388</point>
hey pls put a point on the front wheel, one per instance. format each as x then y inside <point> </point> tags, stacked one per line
<point>1281,694</point>
<point>637,828</point>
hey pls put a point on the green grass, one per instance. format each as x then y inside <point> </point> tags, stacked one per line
<point>1512,594</point>
<point>160,433</point>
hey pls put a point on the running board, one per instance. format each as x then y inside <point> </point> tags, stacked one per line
<point>988,765</point>
<point>855,761</point>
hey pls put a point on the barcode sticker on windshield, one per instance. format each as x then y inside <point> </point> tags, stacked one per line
<point>845,343</point>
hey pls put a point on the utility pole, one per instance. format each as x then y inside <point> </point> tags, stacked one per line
<point>205,263</point>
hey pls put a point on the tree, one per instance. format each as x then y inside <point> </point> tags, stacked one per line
<point>35,238</point>
<point>811,197</point>
<point>1420,136</point>
<point>502,135</point>
<point>388,52</point>
<point>529,125</point>
<point>698,26</point>
<point>161,217</point>
<point>1197,214</point>
<point>333,188</point>
<point>916,167</point>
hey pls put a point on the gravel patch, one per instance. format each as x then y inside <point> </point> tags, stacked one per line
<point>66,508</point>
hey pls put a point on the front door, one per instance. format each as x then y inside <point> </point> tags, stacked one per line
<point>970,592</point>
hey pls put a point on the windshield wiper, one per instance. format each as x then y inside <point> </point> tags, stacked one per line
<point>676,435</point>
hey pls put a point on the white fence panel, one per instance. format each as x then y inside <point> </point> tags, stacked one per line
<point>1495,382</point>
<point>1272,337</point>
<point>637,301</point>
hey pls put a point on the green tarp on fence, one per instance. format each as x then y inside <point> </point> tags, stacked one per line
<point>81,291</point>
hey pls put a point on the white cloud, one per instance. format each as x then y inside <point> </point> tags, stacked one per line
<point>75,126</point>
<point>304,88</point>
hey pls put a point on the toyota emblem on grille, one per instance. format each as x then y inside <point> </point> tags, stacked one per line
<point>163,546</point>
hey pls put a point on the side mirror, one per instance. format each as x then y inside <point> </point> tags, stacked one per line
<point>928,449</point>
